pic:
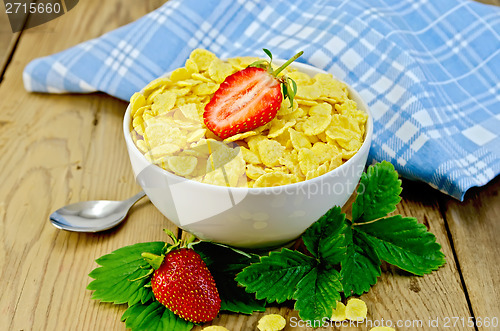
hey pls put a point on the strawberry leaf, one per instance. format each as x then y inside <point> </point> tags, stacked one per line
<point>291,91</point>
<point>268,52</point>
<point>325,239</point>
<point>378,193</point>
<point>317,293</point>
<point>123,273</point>
<point>286,93</point>
<point>360,266</point>
<point>276,276</point>
<point>224,270</point>
<point>153,317</point>
<point>405,243</point>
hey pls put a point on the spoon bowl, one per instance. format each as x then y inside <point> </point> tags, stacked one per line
<point>93,216</point>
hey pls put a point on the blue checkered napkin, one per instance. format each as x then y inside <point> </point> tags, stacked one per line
<point>429,70</point>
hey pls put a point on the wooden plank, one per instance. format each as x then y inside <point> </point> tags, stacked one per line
<point>7,39</point>
<point>56,149</point>
<point>475,228</point>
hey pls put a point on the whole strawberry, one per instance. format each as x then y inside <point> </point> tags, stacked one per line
<point>248,98</point>
<point>184,285</point>
<point>182,282</point>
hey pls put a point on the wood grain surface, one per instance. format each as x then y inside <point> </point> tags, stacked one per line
<point>58,149</point>
<point>474,228</point>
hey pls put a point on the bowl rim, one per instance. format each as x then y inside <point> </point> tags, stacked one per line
<point>257,190</point>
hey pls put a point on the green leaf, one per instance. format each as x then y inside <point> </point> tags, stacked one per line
<point>377,194</point>
<point>325,239</point>
<point>294,89</point>
<point>153,317</point>
<point>286,93</point>
<point>224,263</point>
<point>276,276</point>
<point>360,266</point>
<point>317,293</point>
<point>289,90</point>
<point>405,243</point>
<point>121,277</point>
<point>268,52</point>
<point>294,86</point>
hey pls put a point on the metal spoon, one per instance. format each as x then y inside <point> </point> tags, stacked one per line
<point>93,216</point>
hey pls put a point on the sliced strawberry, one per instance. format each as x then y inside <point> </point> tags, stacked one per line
<point>247,99</point>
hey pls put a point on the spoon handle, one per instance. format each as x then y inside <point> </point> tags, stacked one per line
<point>131,201</point>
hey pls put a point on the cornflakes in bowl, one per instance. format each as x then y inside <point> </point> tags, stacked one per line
<point>258,188</point>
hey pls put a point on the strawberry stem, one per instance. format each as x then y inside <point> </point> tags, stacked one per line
<point>284,65</point>
<point>190,240</point>
<point>154,260</point>
<point>172,236</point>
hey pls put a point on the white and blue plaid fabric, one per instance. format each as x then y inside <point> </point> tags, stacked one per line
<point>429,70</point>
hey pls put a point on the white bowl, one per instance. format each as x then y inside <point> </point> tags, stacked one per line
<point>249,217</point>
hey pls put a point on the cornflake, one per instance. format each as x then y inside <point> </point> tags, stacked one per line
<point>356,310</point>
<point>271,322</point>
<point>275,178</point>
<point>339,313</point>
<point>270,151</point>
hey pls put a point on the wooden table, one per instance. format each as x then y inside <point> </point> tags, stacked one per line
<point>58,149</point>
